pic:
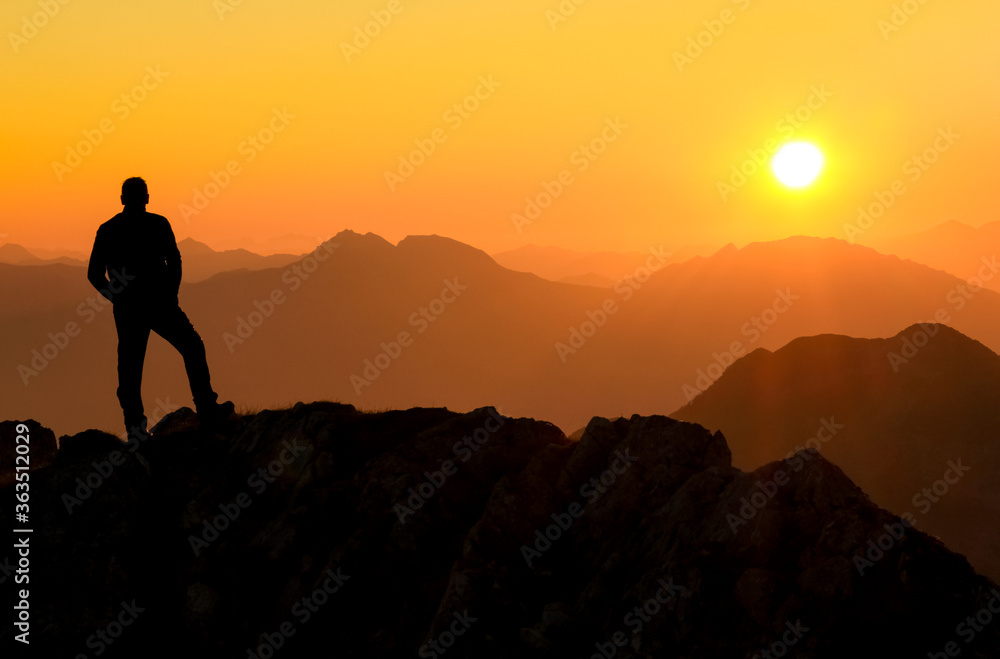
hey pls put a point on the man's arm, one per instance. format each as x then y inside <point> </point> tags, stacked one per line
<point>98,268</point>
<point>173,260</point>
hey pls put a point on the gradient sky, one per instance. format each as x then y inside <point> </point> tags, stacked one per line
<point>657,183</point>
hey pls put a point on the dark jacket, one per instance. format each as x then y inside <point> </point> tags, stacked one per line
<point>138,251</point>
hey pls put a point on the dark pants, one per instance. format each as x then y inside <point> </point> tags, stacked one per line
<point>134,323</point>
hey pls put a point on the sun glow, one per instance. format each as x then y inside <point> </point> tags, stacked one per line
<point>797,164</point>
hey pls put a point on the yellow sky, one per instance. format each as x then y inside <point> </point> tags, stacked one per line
<point>213,79</point>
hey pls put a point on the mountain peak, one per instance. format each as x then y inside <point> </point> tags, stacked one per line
<point>350,238</point>
<point>442,247</point>
<point>192,247</point>
<point>13,253</point>
<point>898,414</point>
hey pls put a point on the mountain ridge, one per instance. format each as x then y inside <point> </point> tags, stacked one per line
<point>911,418</point>
<point>540,544</point>
<point>651,334</point>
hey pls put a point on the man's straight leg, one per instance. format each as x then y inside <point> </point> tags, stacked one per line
<point>133,335</point>
<point>173,325</point>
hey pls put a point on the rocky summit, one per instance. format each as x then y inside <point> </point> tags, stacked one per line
<point>322,530</point>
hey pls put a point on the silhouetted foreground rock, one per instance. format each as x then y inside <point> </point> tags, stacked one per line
<point>323,531</point>
<point>42,449</point>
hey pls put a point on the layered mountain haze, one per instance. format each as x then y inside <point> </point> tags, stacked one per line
<point>432,321</point>
<point>501,330</point>
<point>201,261</point>
<point>962,250</point>
<point>410,532</point>
<point>912,419</point>
<point>14,254</point>
<point>601,269</point>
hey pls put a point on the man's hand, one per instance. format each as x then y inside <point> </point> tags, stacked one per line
<point>97,270</point>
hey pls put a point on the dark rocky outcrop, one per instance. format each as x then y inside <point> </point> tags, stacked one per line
<point>403,547</point>
<point>912,419</point>
<point>42,448</point>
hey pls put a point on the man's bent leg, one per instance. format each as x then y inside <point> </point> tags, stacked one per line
<point>173,325</point>
<point>133,335</point>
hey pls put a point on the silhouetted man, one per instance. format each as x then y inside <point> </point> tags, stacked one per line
<point>138,250</point>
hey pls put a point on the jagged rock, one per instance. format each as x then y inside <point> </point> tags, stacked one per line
<point>42,442</point>
<point>321,529</point>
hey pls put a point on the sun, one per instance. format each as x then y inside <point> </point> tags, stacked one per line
<point>797,164</point>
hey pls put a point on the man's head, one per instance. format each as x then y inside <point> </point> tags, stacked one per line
<point>135,194</point>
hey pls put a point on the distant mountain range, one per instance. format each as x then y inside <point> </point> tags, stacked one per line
<point>913,419</point>
<point>199,260</point>
<point>17,255</point>
<point>600,269</point>
<point>407,533</point>
<point>962,250</point>
<point>332,325</point>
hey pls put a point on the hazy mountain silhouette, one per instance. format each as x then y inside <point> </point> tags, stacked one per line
<point>219,538</point>
<point>896,417</point>
<point>289,243</point>
<point>14,254</point>
<point>506,338</point>
<point>43,449</point>
<point>589,279</point>
<point>601,269</point>
<point>954,247</point>
<point>202,262</point>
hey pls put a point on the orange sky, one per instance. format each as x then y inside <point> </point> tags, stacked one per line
<point>879,98</point>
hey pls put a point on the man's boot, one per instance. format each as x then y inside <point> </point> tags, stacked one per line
<point>136,429</point>
<point>213,414</point>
